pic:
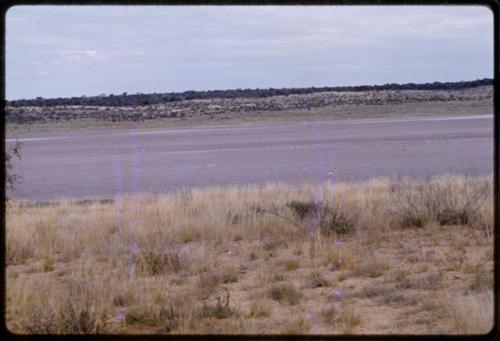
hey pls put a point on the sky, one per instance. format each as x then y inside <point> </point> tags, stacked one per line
<point>64,51</point>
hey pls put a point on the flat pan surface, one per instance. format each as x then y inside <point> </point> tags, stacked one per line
<point>120,162</point>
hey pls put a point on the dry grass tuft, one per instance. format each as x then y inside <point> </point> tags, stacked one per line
<point>472,314</point>
<point>481,280</point>
<point>297,326</point>
<point>373,267</point>
<point>349,319</point>
<point>285,292</point>
<point>316,280</point>
<point>217,306</point>
<point>291,264</point>
<point>260,309</point>
<point>72,308</point>
<point>153,263</point>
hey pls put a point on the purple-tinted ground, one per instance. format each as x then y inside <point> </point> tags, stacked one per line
<point>120,162</point>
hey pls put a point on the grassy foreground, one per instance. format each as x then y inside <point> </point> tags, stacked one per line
<point>383,256</point>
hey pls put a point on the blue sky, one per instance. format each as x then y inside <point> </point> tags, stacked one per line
<point>63,51</point>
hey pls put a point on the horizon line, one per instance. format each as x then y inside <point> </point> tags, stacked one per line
<point>330,88</point>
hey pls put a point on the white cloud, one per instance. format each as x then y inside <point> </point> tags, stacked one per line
<point>174,48</point>
<point>79,54</point>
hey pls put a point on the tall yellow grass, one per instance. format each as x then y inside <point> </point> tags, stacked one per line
<point>158,261</point>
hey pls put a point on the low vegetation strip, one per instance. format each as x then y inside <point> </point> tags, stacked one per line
<point>383,256</point>
<point>148,99</point>
<point>335,103</point>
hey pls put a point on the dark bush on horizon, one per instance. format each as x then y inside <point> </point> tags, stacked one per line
<point>139,99</point>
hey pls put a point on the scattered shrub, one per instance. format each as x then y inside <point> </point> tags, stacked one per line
<point>291,264</point>
<point>349,319</point>
<point>339,219</point>
<point>329,315</point>
<point>304,209</point>
<point>335,217</point>
<point>74,312</point>
<point>217,306</point>
<point>208,282</point>
<point>297,326</point>
<point>153,315</point>
<point>375,290</point>
<point>480,280</point>
<point>316,280</point>
<point>273,244</point>
<point>122,299</point>
<point>371,268</point>
<point>48,264</point>
<point>444,200</point>
<point>259,309</point>
<point>472,314</point>
<point>399,298</point>
<point>285,292</point>
<point>431,281</point>
<point>339,259</point>
<point>230,274</point>
<point>401,276</point>
<point>152,262</point>
<point>79,314</point>
<point>17,253</point>
<point>342,276</point>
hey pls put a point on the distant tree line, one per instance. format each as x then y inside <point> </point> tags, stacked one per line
<point>155,98</point>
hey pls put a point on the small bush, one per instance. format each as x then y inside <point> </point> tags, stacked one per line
<point>329,315</point>
<point>17,253</point>
<point>217,306</point>
<point>431,281</point>
<point>48,265</point>
<point>285,292</point>
<point>208,282</point>
<point>153,315</point>
<point>229,274</point>
<point>339,259</point>
<point>342,276</point>
<point>152,263</point>
<point>399,298</point>
<point>70,307</point>
<point>291,264</point>
<point>339,219</point>
<point>480,280</point>
<point>472,314</point>
<point>218,311</point>
<point>423,268</point>
<point>304,209</point>
<point>259,309</point>
<point>372,268</point>
<point>349,319</point>
<point>297,326</point>
<point>443,200</point>
<point>277,277</point>
<point>123,298</point>
<point>74,312</point>
<point>80,309</point>
<point>401,276</point>
<point>333,218</point>
<point>316,280</point>
<point>273,244</point>
<point>377,290</point>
